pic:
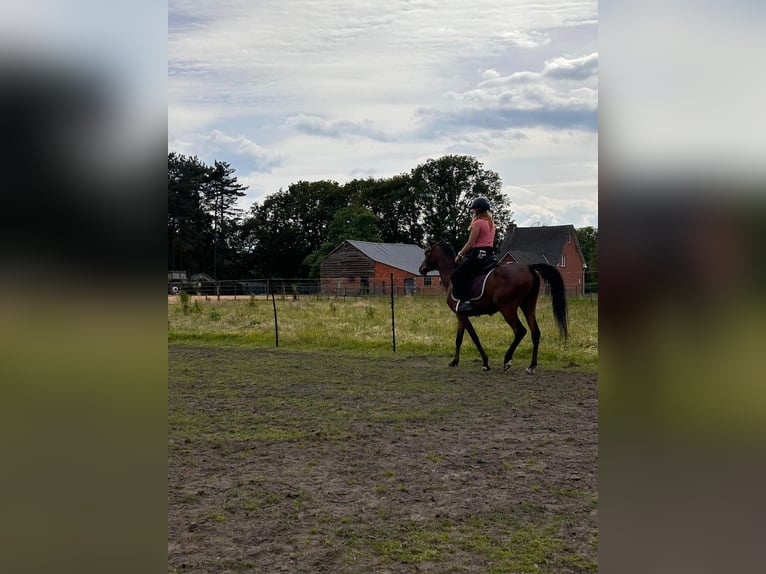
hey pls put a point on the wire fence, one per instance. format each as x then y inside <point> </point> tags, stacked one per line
<point>336,288</point>
<point>316,288</point>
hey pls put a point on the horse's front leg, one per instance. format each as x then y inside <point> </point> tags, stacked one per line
<point>458,343</point>
<point>475,338</point>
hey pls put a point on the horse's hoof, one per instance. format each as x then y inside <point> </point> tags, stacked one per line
<point>530,371</point>
<point>485,368</point>
<point>506,367</point>
<point>453,364</point>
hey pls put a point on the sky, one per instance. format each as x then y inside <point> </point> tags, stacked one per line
<point>291,90</point>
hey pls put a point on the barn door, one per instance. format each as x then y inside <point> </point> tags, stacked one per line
<point>409,286</point>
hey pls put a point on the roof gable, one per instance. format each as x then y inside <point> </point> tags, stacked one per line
<point>405,256</point>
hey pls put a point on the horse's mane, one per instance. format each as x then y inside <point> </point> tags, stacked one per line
<point>447,248</point>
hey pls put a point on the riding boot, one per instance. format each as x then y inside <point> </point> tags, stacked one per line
<point>464,307</point>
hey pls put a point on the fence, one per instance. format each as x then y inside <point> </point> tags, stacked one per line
<point>333,288</point>
<point>273,289</point>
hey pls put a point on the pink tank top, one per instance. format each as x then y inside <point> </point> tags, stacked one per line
<point>486,235</point>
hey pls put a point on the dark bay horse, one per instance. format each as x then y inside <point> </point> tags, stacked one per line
<point>509,287</point>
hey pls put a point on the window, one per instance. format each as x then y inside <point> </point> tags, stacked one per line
<point>426,281</point>
<point>563,260</point>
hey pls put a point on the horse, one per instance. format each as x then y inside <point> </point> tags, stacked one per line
<point>507,288</point>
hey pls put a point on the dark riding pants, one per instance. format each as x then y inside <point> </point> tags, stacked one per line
<point>477,259</point>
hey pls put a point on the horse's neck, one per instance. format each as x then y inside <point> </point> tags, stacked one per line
<point>446,268</point>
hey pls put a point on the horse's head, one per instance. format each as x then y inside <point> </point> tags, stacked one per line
<point>428,263</point>
<point>435,255</point>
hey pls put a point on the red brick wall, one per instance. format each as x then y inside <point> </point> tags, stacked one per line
<point>380,282</point>
<point>383,275</point>
<point>572,273</point>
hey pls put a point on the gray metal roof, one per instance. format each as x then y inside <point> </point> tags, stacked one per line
<point>528,257</point>
<point>538,244</point>
<point>400,255</point>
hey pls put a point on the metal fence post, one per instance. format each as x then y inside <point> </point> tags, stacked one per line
<point>276,324</point>
<point>393,322</point>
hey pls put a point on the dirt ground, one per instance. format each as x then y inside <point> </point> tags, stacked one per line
<point>316,462</point>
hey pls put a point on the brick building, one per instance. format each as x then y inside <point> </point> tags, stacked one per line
<point>365,268</point>
<point>556,245</point>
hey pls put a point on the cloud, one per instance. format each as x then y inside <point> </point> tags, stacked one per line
<point>314,125</point>
<point>218,145</point>
<point>482,144</point>
<point>562,95</point>
<point>577,69</point>
<point>498,115</point>
<point>338,89</point>
<point>541,209</point>
<point>525,38</point>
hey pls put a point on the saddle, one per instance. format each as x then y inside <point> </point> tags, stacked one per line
<point>477,282</point>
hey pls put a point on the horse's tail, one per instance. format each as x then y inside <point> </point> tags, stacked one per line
<point>552,276</point>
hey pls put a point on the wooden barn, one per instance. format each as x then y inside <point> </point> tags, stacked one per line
<point>365,268</point>
<point>556,245</point>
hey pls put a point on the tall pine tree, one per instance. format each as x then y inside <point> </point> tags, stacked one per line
<point>219,198</point>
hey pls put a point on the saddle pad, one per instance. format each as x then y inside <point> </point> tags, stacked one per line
<point>477,286</point>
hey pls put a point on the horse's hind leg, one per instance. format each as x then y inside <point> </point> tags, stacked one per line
<point>529,313</point>
<point>511,317</point>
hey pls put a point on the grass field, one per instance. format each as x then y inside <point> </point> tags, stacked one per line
<point>334,454</point>
<point>424,326</point>
<point>343,462</point>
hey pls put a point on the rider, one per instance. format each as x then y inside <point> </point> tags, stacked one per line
<point>475,254</point>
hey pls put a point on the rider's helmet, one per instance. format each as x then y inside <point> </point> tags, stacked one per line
<point>481,204</point>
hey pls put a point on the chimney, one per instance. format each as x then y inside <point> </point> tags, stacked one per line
<point>510,230</point>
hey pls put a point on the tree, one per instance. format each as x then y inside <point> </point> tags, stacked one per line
<point>587,237</point>
<point>290,225</point>
<point>352,222</point>
<point>203,218</point>
<point>189,224</point>
<point>395,203</point>
<point>288,234</point>
<point>219,198</point>
<point>444,189</point>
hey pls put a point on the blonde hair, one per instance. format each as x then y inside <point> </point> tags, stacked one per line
<point>483,215</point>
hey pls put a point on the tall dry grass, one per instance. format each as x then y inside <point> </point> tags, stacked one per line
<point>423,325</point>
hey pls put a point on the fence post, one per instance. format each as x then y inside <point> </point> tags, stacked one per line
<point>393,322</point>
<point>276,324</point>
